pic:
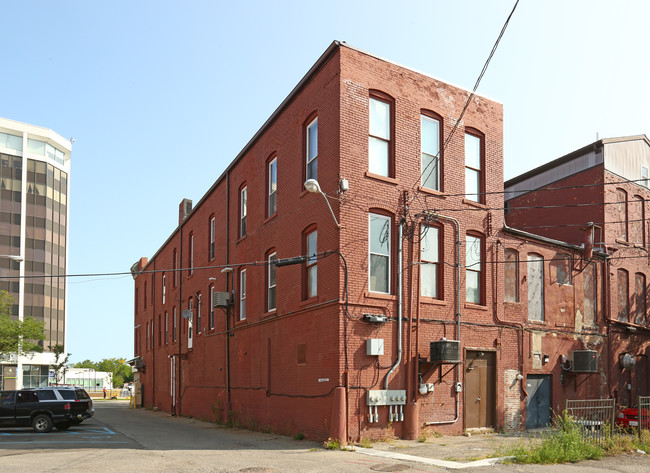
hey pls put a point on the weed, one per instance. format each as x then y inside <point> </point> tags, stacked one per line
<point>299,436</point>
<point>423,437</point>
<point>365,443</point>
<point>332,444</point>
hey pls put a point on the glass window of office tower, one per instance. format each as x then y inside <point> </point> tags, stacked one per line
<point>11,174</point>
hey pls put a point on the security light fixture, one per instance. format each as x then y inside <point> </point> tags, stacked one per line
<point>312,186</point>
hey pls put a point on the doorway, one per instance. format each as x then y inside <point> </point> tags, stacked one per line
<point>480,389</point>
<point>538,402</point>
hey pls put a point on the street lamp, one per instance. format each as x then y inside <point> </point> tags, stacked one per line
<point>312,186</point>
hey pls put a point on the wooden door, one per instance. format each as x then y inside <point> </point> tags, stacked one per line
<point>480,389</point>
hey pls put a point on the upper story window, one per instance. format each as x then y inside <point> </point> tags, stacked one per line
<point>511,276</point>
<point>190,323</point>
<point>191,254</point>
<point>175,263</point>
<point>380,137</point>
<point>272,187</point>
<point>637,222</point>
<point>430,148</point>
<point>243,210</point>
<point>562,266</point>
<point>310,280</point>
<point>174,324</point>
<point>242,294</point>
<point>430,268</point>
<point>198,313</point>
<point>166,327</point>
<point>311,153</point>
<point>623,302</point>
<point>163,289</point>
<point>212,234</point>
<point>145,294</point>
<point>270,282</point>
<point>474,164</point>
<point>621,203</point>
<point>379,244</point>
<point>589,294</point>
<point>640,299</point>
<point>474,269</point>
<point>212,300</point>
<point>535,287</point>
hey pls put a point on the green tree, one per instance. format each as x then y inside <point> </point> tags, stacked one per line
<point>60,361</point>
<point>121,371</point>
<point>85,364</point>
<point>18,336</point>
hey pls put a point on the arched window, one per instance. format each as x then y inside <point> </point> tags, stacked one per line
<point>623,302</point>
<point>431,265</point>
<point>474,268</point>
<point>511,276</point>
<point>380,136</point>
<point>379,256</point>
<point>535,287</point>
<point>431,154</point>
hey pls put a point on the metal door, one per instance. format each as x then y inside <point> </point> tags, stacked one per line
<point>538,402</point>
<point>480,389</point>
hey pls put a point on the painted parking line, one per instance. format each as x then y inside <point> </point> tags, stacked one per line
<point>90,435</point>
<point>98,430</point>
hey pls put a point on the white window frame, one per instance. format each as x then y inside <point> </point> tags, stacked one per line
<point>432,155</point>
<point>211,319</point>
<point>311,264</point>
<point>387,255</point>
<point>272,205</point>
<point>243,210</point>
<point>380,168</point>
<point>471,267</point>
<point>271,286</point>
<point>174,324</point>
<point>242,294</point>
<point>198,313</point>
<point>163,289</point>
<point>212,235</point>
<point>644,175</point>
<point>427,239</point>
<point>190,324</point>
<point>308,156</point>
<point>471,170</point>
<point>166,327</point>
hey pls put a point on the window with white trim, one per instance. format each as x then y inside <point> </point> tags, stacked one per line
<point>311,264</point>
<point>312,150</point>
<point>243,210</point>
<point>379,140</point>
<point>379,245</point>
<point>191,254</point>
<point>272,187</point>
<point>271,283</point>
<point>430,261</point>
<point>242,294</point>
<point>430,149</point>
<point>473,269</point>
<point>211,320</point>
<point>163,288</point>
<point>473,168</point>
<point>212,234</point>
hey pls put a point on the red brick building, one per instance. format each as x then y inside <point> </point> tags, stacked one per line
<point>386,310</point>
<point>605,184</point>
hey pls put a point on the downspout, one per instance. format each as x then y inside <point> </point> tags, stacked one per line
<point>228,398</point>
<point>153,335</point>
<point>179,320</point>
<point>399,306</point>
<point>458,316</point>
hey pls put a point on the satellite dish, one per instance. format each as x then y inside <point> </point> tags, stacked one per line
<point>627,361</point>
<point>187,314</point>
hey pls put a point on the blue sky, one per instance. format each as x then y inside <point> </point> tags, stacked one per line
<point>160,96</point>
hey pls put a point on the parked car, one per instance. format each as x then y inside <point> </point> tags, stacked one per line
<point>629,418</point>
<point>25,407</point>
<point>66,393</point>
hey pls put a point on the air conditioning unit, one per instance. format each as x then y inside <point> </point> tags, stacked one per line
<point>584,361</point>
<point>138,363</point>
<point>445,351</point>
<point>221,299</point>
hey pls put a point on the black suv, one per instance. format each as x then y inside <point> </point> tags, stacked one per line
<point>45,408</point>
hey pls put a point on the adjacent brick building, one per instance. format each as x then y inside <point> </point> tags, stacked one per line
<point>336,338</point>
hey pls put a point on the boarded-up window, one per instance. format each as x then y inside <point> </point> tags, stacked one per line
<point>511,276</point>
<point>562,266</point>
<point>589,293</point>
<point>535,287</point>
<point>621,203</point>
<point>623,304</point>
<point>637,221</point>
<point>640,298</point>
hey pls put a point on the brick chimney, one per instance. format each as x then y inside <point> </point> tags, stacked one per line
<point>184,210</point>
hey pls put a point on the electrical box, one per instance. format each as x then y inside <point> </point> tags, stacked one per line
<point>221,300</point>
<point>445,350</point>
<point>375,346</point>
<point>386,397</point>
<point>584,361</point>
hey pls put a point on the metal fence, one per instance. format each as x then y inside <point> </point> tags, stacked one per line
<point>643,409</point>
<point>595,417</point>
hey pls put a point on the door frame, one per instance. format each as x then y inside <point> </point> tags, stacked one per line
<point>493,407</point>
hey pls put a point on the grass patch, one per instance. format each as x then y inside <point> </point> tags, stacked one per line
<point>365,443</point>
<point>423,437</point>
<point>299,436</point>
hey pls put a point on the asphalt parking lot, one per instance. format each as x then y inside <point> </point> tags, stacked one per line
<point>119,438</point>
